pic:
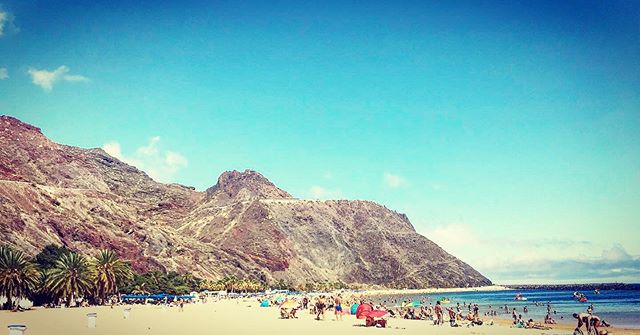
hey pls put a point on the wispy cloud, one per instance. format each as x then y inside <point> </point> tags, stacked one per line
<point>394,180</point>
<point>159,165</point>
<point>47,79</point>
<point>4,74</point>
<point>541,260</point>
<point>319,192</point>
<point>328,175</point>
<point>6,23</point>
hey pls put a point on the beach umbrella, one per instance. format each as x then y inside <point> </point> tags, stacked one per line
<point>279,299</point>
<point>289,304</point>
<point>354,308</point>
<point>362,309</point>
<point>414,303</point>
<point>377,313</point>
<point>264,303</point>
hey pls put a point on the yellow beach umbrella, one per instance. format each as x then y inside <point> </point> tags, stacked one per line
<point>289,304</point>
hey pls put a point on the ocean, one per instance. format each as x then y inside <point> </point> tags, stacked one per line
<point>621,308</point>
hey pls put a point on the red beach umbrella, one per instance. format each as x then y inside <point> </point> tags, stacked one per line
<point>378,313</point>
<point>363,310</point>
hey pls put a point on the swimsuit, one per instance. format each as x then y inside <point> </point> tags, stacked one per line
<point>338,308</point>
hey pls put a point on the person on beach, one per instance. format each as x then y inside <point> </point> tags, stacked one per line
<point>452,317</point>
<point>338,307</point>
<point>589,320</point>
<point>514,315</point>
<point>534,325</point>
<point>438,310</point>
<point>320,306</point>
<point>548,319</point>
<point>430,312</point>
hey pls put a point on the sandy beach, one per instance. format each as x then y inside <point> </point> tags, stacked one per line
<point>242,316</point>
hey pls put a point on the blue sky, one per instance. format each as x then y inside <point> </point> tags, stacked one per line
<point>483,121</point>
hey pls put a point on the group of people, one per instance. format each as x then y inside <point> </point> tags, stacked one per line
<point>458,315</point>
<point>590,321</point>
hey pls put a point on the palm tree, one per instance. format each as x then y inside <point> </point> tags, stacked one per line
<point>72,277</point>
<point>189,280</point>
<point>18,276</point>
<point>109,272</point>
<point>140,289</point>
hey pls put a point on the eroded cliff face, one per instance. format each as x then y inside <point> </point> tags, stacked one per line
<point>244,225</point>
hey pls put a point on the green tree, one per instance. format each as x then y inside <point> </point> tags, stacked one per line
<point>140,289</point>
<point>110,273</point>
<point>72,277</point>
<point>49,255</point>
<point>18,276</point>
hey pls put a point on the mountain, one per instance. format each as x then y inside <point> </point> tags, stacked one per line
<point>244,225</point>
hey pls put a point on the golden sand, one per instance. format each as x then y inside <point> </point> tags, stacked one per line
<point>229,317</point>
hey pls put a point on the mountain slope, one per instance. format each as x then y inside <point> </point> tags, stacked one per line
<point>244,225</point>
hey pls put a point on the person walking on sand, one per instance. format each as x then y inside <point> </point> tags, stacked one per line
<point>320,306</point>
<point>338,307</point>
<point>438,310</point>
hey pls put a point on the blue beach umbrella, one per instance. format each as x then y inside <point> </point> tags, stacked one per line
<point>264,303</point>
<point>354,308</point>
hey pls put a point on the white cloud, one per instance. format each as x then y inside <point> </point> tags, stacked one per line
<point>6,23</point>
<point>151,149</point>
<point>175,159</point>
<point>113,149</point>
<point>616,254</point>
<point>5,20</point>
<point>159,165</point>
<point>47,79</point>
<point>4,74</point>
<point>520,259</point>
<point>319,192</point>
<point>394,180</point>
<point>75,78</point>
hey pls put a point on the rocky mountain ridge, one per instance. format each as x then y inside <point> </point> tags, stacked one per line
<point>244,225</point>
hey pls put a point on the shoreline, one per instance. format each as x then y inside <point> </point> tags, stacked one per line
<point>490,288</point>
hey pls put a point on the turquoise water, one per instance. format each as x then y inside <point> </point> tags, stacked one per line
<point>621,308</point>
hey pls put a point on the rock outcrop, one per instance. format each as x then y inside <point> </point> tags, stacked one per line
<point>244,225</point>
